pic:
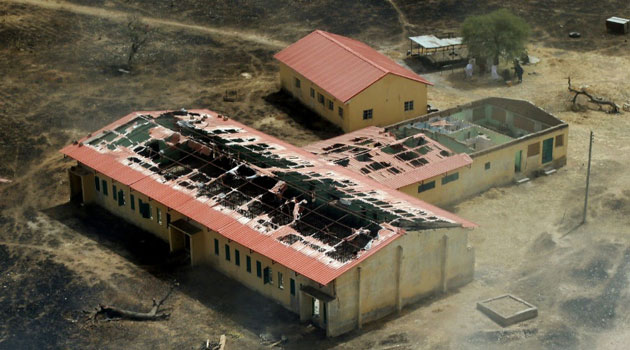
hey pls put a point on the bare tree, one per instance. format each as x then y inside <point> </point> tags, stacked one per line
<point>139,34</point>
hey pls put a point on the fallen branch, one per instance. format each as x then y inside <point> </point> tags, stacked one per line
<point>594,99</point>
<point>116,313</point>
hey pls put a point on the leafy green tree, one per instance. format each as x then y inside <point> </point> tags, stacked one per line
<point>499,34</point>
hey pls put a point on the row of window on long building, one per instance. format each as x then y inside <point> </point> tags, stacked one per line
<point>144,209</point>
<point>265,274</point>
<point>367,113</point>
<point>118,195</point>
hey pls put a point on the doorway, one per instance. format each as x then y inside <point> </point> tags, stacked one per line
<point>517,161</point>
<point>319,315</point>
<point>547,151</point>
<point>76,188</point>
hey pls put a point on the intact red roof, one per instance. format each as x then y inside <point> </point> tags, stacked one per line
<point>393,162</point>
<point>341,66</point>
<point>123,151</point>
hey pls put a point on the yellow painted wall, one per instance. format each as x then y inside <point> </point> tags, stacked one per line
<point>303,94</point>
<point>421,275</point>
<point>386,97</point>
<point>131,215</point>
<point>475,179</point>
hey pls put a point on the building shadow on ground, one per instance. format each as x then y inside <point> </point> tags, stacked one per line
<point>302,115</point>
<point>225,296</point>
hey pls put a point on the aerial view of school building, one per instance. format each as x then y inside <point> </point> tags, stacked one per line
<point>343,231</point>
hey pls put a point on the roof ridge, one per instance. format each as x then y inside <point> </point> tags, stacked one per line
<point>363,58</point>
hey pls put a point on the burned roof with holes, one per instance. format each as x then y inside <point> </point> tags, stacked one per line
<point>394,162</point>
<point>281,201</point>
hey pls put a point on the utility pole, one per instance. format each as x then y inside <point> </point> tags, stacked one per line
<point>588,175</point>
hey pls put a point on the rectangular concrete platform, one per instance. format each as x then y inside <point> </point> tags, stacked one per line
<point>507,310</point>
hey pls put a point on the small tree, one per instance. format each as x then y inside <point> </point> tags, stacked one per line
<point>138,33</point>
<point>499,34</point>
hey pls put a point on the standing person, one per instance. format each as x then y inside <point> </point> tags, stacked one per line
<point>469,70</point>
<point>494,74</point>
<point>519,71</point>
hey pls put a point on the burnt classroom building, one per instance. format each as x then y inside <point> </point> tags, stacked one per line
<point>337,248</point>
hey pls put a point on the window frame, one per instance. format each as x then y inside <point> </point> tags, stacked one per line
<point>450,178</point>
<point>268,275</point>
<point>408,105</point>
<point>132,201</point>
<point>104,187</point>
<point>487,166</point>
<point>297,83</point>
<point>559,141</point>
<point>97,183</point>
<point>258,269</point>
<point>228,257</point>
<point>340,112</point>
<point>237,257</point>
<point>368,114</point>
<point>312,93</point>
<point>331,105</point>
<point>292,286</point>
<point>280,280</point>
<point>248,263</point>
<point>217,250</point>
<point>320,98</point>
<point>426,186</point>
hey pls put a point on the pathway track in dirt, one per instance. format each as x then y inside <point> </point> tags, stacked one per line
<point>404,23</point>
<point>121,16</point>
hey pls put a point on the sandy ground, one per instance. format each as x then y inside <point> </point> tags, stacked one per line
<point>58,82</point>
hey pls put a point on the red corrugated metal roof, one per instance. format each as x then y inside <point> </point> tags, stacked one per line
<point>341,66</point>
<point>298,257</point>
<point>363,148</point>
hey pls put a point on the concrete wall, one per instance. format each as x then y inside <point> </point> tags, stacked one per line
<point>415,266</point>
<point>385,97</point>
<point>475,178</point>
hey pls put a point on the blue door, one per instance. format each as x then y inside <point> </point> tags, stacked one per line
<point>547,151</point>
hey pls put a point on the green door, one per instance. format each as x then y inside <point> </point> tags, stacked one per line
<point>517,161</point>
<point>547,152</point>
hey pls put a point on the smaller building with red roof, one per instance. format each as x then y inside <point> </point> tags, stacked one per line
<point>349,83</point>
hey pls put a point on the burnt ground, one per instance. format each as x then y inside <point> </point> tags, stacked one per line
<point>59,81</point>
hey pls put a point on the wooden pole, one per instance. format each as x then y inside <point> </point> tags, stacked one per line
<point>588,175</point>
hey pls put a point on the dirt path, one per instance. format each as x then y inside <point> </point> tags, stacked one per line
<point>402,19</point>
<point>121,16</point>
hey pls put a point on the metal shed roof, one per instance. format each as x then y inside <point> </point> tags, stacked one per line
<point>433,42</point>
